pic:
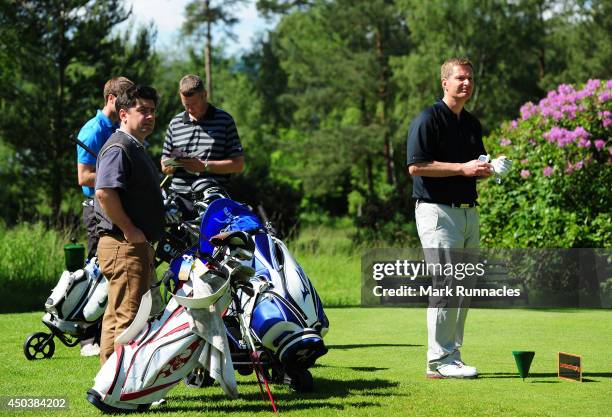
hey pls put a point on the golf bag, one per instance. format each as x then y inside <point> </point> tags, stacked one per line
<point>283,311</point>
<point>152,356</point>
<point>76,304</point>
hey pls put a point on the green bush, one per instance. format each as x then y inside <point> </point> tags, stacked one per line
<point>559,192</point>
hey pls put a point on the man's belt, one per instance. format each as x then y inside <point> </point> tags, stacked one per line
<point>453,205</point>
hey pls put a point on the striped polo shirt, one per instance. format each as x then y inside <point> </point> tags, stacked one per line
<point>213,138</point>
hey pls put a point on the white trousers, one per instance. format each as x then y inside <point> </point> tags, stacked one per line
<point>443,227</point>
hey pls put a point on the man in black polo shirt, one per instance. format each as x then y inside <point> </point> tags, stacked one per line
<point>130,212</point>
<point>444,144</point>
<point>201,142</point>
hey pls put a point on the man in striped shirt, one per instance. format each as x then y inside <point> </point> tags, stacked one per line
<point>201,142</point>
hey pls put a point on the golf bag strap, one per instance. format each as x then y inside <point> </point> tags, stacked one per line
<point>139,322</point>
<point>207,300</point>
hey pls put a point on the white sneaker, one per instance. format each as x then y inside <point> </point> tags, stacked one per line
<point>90,349</point>
<point>158,403</point>
<point>455,369</point>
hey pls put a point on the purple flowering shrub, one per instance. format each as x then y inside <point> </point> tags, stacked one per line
<point>559,192</point>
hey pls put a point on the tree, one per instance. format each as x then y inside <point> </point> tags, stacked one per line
<point>340,86</point>
<point>201,16</point>
<point>63,56</point>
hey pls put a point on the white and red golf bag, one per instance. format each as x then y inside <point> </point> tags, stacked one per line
<point>152,356</point>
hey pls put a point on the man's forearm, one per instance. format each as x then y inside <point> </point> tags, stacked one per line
<point>436,169</point>
<point>111,204</point>
<point>227,166</point>
<point>86,175</point>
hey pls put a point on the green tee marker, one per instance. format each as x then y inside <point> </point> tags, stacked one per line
<point>75,256</point>
<point>523,361</point>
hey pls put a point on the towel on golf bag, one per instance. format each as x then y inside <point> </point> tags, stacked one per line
<point>165,350</point>
<point>208,324</point>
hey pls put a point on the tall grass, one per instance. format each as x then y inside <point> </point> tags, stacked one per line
<point>31,261</point>
<point>332,260</point>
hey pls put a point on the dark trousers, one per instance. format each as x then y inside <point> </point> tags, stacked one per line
<point>89,223</point>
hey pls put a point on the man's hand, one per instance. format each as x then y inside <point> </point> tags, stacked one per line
<point>476,168</point>
<point>111,204</point>
<point>166,169</point>
<point>134,235</point>
<point>193,165</point>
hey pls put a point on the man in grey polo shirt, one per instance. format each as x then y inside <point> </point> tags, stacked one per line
<point>130,213</point>
<point>202,142</point>
<point>444,145</point>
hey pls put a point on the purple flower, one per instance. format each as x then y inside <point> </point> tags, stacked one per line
<point>610,150</point>
<point>584,143</point>
<point>579,165</point>
<point>513,124</point>
<point>607,122</point>
<point>599,144</point>
<point>569,168</point>
<point>532,142</point>
<point>505,142</point>
<point>548,171</point>
<point>609,84</point>
<point>528,109</point>
<point>580,132</point>
<point>604,96</point>
<point>524,161</point>
<point>525,173</point>
<point>566,89</point>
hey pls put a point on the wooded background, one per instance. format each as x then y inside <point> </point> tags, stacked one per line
<point>322,101</point>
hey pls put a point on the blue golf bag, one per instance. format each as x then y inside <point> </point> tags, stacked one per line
<point>283,311</point>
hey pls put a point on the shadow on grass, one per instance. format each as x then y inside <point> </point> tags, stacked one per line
<point>325,389</point>
<point>353,368</point>
<point>370,345</point>
<point>533,375</point>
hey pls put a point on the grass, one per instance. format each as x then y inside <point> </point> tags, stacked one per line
<point>375,367</point>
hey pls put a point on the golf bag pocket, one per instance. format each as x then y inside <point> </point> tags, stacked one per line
<point>80,295</point>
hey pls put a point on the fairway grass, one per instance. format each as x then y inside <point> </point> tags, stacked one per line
<point>375,367</point>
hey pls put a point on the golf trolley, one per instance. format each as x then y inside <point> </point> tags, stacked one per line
<point>76,305</point>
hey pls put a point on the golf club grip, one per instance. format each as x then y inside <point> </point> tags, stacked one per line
<point>82,145</point>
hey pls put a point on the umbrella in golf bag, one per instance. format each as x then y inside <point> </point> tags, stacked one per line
<point>76,304</point>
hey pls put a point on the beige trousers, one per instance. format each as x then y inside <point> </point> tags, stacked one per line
<point>130,270</point>
<point>442,227</point>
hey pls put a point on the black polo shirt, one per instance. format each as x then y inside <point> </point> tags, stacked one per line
<point>437,134</point>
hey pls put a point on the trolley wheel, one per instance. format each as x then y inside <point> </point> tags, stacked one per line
<point>39,345</point>
<point>198,378</point>
<point>300,380</point>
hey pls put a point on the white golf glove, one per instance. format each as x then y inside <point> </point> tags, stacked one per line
<point>501,165</point>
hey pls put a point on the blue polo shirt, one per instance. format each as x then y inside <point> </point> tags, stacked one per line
<point>94,134</point>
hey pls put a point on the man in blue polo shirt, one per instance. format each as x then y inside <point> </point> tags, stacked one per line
<point>94,134</point>
<point>444,145</point>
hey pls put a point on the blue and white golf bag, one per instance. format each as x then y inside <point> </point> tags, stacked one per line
<point>284,313</point>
